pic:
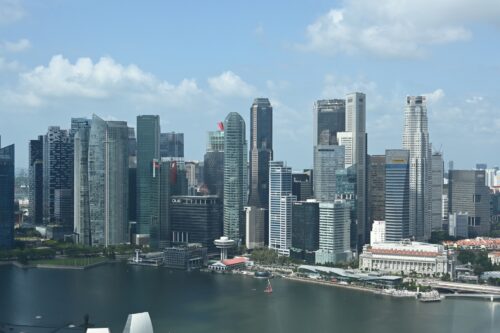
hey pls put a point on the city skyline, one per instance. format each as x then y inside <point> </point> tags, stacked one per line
<point>293,64</point>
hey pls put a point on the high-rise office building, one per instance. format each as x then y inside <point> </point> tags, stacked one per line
<point>196,219</point>
<point>468,193</point>
<point>162,178</point>
<point>261,151</point>
<point>437,179</point>
<point>235,176</point>
<point>255,233</point>
<point>101,183</point>
<point>148,149</point>
<point>7,159</point>
<point>329,119</point>
<point>377,235</point>
<point>36,180</point>
<point>305,230</point>
<point>58,177</point>
<point>376,188</point>
<point>280,207</point>
<point>334,232</point>
<point>172,144</point>
<point>327,160</point>
<point>194,175</point>
<point>302,185</point>
<point>213,163</point>
<point>356,125</point>
<point>416,141</point>
<point>397,194</point>
<point>346,189</point>
<point>132,175</point>
<point>459,225</point>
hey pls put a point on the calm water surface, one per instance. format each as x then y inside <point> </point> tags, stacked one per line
<point>181,302</point>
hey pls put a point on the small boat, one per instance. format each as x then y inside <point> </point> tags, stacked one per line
<point>269,288</point>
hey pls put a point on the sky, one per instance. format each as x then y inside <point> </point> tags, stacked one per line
<point>193,62</point>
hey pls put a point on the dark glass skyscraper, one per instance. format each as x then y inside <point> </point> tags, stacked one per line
<point>329,119</point>
<point>261,151</point>
<point>36,180</point>
<point>305,230</point>
<point>7,197</point>
<point>376,188</point>
<point>58,177</point>
<point>397,194</point>
<point>172,144</point>
<point>148,149</point>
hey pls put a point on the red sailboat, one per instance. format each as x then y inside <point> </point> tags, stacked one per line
<point>269,288</point>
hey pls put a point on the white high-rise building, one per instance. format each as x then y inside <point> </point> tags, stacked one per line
<point>377,235</point>
<point>280,207</point>
<point>437,191</point>
<point>416,140</point>
<point>355,123</point>
<point>334,232</point>
<point>345,139</point>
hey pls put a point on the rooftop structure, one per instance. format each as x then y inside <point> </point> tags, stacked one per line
<point>223,244</point>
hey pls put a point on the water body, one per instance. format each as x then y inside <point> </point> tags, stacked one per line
<point>181,302</point>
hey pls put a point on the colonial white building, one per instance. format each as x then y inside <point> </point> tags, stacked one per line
<point>408,257</point>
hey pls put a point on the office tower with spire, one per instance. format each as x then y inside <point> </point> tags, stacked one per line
<point>281,201</point>
<point>329,119</point>
<point>7,159</point>
<point>261,151</point>
<point>235,166</point>
<point>148,150</point>
<point>416,141</point>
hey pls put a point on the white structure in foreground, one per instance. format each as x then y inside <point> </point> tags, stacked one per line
<point>377,235</point>
<point>138,323</point>
<point>408,257</point>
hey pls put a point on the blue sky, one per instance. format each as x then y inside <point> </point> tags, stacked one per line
<point>192,62</point>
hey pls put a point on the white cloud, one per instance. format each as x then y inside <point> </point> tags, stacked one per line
<point>10,11</point>
<point>474,99</point>
<point>230,84</point>
<point>6,65</point>
<point>19,46</point>
<point>396,28</point>
<point>103,79</point>
<point>435,96</point>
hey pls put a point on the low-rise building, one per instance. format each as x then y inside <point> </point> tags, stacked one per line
<point>188,257</point>
<point>229,264</point>
<point>494,257</point>
<point>407,257</point>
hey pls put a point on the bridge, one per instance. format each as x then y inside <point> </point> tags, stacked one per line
<point>482,296</point>
<point>462,287</point>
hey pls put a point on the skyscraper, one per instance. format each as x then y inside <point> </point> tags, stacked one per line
<point>305,230</point>
<point>261,151</point>
<point>416,141</point>
<point>101,183</point>
<point>302,185</point>
<point>160,228</point>
<point>255,227</point>
<point>356,125</point>
<point>376,188</point>
<point>280,207</point>
<point>437,167</point>
<point>148,149</point>
<point>235,152</point>
<point>397,194</point>
<point>58,177</point>
<point>172,144</point>
<point>213,163</point>
<point>327,160</point>
<point>329,119</point>
<point>334,232</point>
<point>36,180</point>
<point>7,159</point>
<point>468,193</point>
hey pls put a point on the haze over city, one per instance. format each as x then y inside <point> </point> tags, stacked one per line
<point>193,63</point>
